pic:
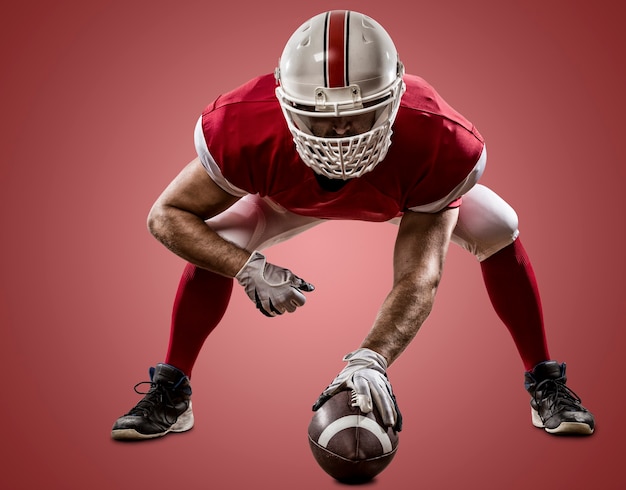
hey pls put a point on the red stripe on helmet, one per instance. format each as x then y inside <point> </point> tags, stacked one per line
<point>336,48</point>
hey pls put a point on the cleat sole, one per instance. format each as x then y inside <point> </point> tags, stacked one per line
<point>183,423</point>
<point>563,428</point>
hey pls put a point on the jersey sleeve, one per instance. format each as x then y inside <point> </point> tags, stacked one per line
<point>210,165</point>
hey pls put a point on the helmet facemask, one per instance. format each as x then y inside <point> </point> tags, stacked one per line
<point>343,65</point>
<point>343,157</point>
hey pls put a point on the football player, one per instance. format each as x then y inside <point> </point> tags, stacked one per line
<point>340,133</point>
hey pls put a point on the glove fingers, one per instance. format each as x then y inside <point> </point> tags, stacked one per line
<point>385,404</point>
<point>365,375</point>
<point>266,307</point>
<point>296,298</point>
<point>301,284</point>
<point>331,390</point>
<point>273,289</point>
<point>361,396</point>
<point>323,398</point>
<point>398,426</point>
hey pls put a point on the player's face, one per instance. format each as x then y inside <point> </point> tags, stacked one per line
<point>340,127</point>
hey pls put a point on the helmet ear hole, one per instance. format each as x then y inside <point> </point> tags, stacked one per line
<point>340,63</point>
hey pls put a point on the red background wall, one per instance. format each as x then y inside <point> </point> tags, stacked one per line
<point>98,104</point>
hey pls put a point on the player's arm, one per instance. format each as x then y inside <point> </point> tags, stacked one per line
<point>419,255</point>
<point>420,250</point>
<point>177,220</point>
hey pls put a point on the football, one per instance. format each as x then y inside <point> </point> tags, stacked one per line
<point>349,445</point>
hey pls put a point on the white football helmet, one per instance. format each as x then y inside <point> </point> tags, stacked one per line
<point>340,64</point>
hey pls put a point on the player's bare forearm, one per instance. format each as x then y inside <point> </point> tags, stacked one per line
<point>177,220</point>
<point>403,312</point>
<point>419,257</point>
<point>190,238</point>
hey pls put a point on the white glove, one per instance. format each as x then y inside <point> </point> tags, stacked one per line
<point>273,289</point>
<point>366,376</point>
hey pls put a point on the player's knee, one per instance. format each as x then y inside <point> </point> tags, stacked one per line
<point>486,224</point>
<point>500,235</point>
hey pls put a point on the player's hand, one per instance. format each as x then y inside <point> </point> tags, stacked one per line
<point>366,376</point>
<point>273,289</point>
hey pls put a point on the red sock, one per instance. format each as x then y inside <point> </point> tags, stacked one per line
<point>200,304</point>
<point>512,288</point>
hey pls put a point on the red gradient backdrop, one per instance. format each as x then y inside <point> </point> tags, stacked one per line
<point>99,100</point>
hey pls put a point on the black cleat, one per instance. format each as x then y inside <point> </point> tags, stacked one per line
<point>554,407</point>
<point>166,407</point>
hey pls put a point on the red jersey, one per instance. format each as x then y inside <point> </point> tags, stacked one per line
<point>250,150</point>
